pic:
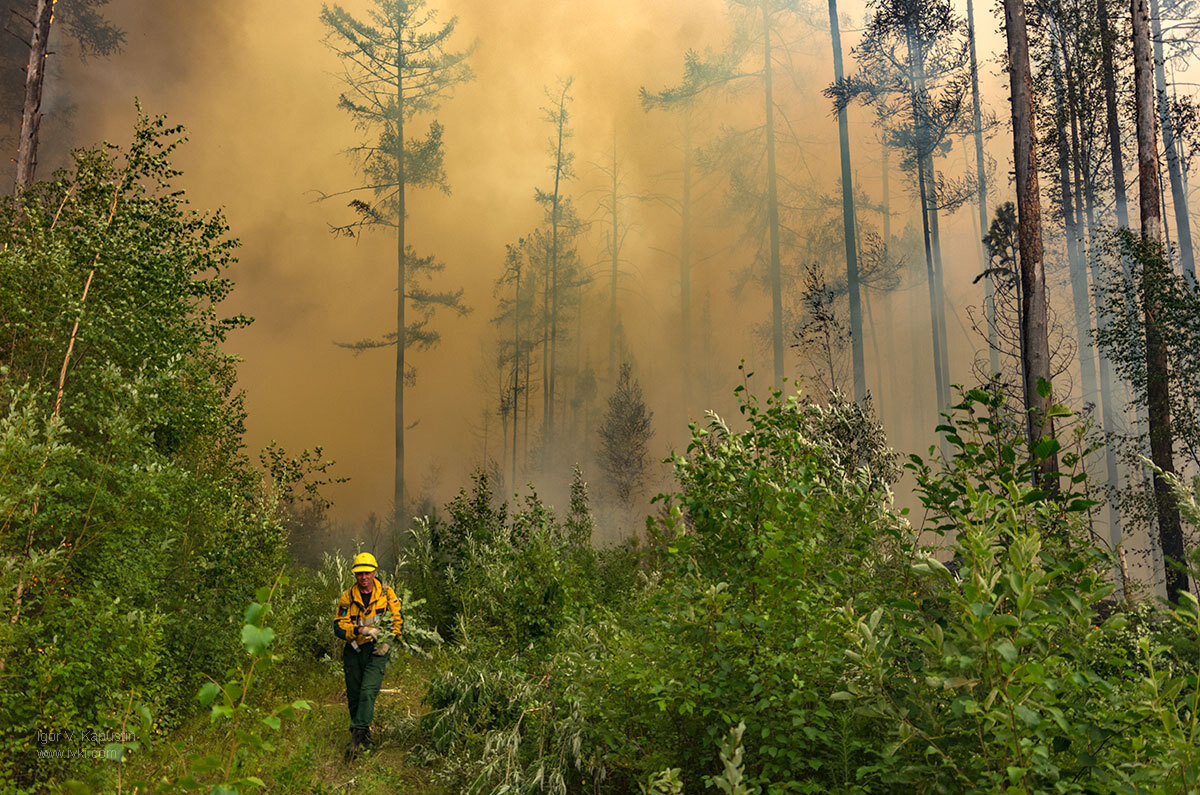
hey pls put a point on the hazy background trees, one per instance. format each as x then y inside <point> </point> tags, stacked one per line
<point>700,161</point>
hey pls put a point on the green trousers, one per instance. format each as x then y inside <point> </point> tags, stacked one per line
<point>364,675</point>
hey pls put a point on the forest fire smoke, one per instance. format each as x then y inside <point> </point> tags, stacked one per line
<point>267,139</point>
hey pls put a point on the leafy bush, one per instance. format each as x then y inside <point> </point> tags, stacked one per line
<point>738,621</point>
<point>131,519</point>
<point>782,595</point>
<point>1006,674</point>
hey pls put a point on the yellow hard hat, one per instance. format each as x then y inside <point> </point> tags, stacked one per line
<point>364,561</point>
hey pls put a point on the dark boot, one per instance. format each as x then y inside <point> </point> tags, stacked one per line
<point>366,743</point>
<point>356,743</point>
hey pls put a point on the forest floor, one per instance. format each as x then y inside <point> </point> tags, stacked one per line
<point>308,750</point>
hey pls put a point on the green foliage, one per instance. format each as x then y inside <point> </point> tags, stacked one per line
<point>228,768</point>
<point>788,634</point>
<point>625,434</point>
<point>130,517</point>
<point>738,624</point>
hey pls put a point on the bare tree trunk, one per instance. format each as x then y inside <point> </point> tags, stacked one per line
<point>917,101</point>
<point>685,262</point>
<point>35,77</point>
<point>1108,403</point>
<point>776,273</point>
<point>1119,187</point>
<point>548,436</point>
<point>1114,127</point>
<point>917,62</point>
<point>989,290</point>
<point>516,367</point>
<point>612,306</point>
<point>1035,344</point>
<point>938,353</point>
<point>1076,265</point>
<point>1183,226</point>
<point>935,240</point>
<point>848,225</point>
<point>1155,271</point>
<point>401,273</point>
<point>545,360</point>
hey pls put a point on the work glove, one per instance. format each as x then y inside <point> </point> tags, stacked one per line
<point>369,632</point>
<point>382,649</point>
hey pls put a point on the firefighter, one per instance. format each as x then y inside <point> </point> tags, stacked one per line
<point>359,613</point>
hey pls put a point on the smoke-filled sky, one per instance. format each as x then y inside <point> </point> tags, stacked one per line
<point>258,91</point>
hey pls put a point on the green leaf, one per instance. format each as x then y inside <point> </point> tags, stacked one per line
<point>1046,448</point>
<point>273,722</point>
<point>256,639</point>
<point>262,594</point>
<point>1043,387</point>
<point>255,613</point>
<point>1005,648</point>
<point>207,693</point>
<point>1026,714</point>
<point>1058,410</point>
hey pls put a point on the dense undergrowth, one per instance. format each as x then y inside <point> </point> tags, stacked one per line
<point>781,598</point>
<point>778,627</point>
<point>132,526</point>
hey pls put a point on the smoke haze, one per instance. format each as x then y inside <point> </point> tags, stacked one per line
<point>257,91</point>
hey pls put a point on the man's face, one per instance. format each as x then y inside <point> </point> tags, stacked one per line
<point>365,580</point>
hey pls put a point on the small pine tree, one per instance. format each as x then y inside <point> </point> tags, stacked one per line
<point>625,435</point>
<point>579,525</point>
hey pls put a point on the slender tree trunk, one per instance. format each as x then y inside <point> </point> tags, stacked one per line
<point>1076,265</point>
<point>1183,226</point>
<point>401,274</point>
<point>516,368</point>
<point>917,55</point>
<point>547,442</point>
<point>935,239</point>
<point>1120,198</point>
<point>1114,127</point>
<point>615,274</point>
<point>870,323</point>
<point>918,123</point>
<point>546,359</point>
<point>989,289</point>
<point>938,353</point>
<point>525,399</point>
<point>776,273</point>
<point>685,262</point>
<point>848,225</point>
<point>1108,403</point>
<point>35,78</point>
<point>1155,272</point>
<point>1035,344</point>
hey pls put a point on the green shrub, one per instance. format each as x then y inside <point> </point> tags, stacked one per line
<point>130,519</point>
<point>783,595</point>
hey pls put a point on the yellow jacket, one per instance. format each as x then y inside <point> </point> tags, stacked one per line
<point>354,611</point>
